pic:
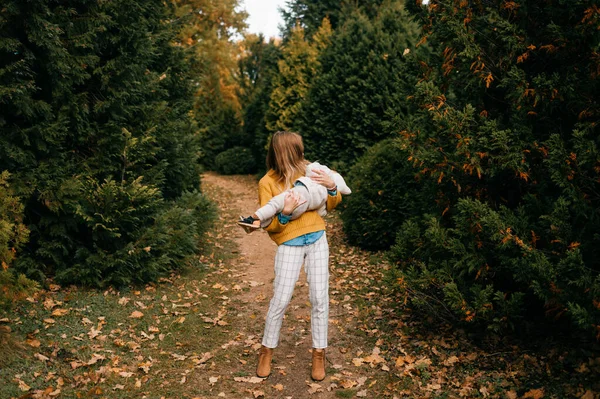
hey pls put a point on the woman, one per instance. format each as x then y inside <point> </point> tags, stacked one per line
<point>300,241</point>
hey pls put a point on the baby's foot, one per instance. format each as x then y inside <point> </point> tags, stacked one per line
<point>249,224</point>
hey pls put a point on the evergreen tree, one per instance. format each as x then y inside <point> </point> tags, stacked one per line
<point>95,103</point>
<point>209,27</point>
<point>257,71</point>
<point>363,86</point>
<point>310,13</point>
<point>508,133</point>
<point>297,68</point>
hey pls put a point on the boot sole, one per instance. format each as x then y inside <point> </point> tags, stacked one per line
<point>248,228</point>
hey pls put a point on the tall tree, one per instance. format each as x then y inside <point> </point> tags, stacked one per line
<point>297,68</point>
<point>363,86</point>
<point>210,28</point>
<point>258,68</point>
<point>95,103</point>
<point>310,13</point>
<point>509,135</point>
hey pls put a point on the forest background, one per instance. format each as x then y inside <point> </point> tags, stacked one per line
<point>468,131</point>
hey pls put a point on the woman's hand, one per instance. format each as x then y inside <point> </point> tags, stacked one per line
<point>291,201</point>
<point>323,179</point>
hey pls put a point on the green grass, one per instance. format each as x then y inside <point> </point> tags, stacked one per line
<point>68,339</point>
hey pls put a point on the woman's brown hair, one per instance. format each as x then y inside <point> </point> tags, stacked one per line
<point>286,157</point>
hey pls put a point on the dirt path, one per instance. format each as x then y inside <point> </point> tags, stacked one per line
<point>253,270</point>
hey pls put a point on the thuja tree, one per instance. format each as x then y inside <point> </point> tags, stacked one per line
<point>508,133</point>
<point>297,68</point>
<point>310,13</point>
<point>208,30</point>
<point>362,87</point>
<point>256,76</point>
<point>13,235</point>
<point>95,130</point>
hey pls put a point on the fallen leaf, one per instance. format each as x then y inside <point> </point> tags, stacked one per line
<point>450,361</point>
<point>41,357</point>
<point>252,380</point>
<point>534,394</point>
<point>95,358</point>
<point>145,366</point>
<point>178,357</point>
<point>278,387</point>
<point>362,394</point>
<point>314,388</point>
<point>49,303</point>
<point>23,387</point>
<point>347,384</point>
<point>136,314</point>
<point>59,312</point>
<point>588,395</point>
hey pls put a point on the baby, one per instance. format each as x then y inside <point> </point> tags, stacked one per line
<point>313,198</point>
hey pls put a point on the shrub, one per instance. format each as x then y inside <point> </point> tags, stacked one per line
<point>508,134</point>
<point>362,86</point>
<point>384,194</point>
<point>13,235</point>
<point>123,233</point>
<point>103,101</point>
<point>235,161</point>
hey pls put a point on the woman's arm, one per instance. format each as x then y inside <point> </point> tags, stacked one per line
<point>333,201</point>
<point>264,195</point>
<point>321,177</point>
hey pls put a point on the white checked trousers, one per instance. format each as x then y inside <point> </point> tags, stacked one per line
<point>288,262</point>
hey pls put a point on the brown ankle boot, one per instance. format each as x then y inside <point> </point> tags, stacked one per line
<point>264,362</point>
<point>318,364</point>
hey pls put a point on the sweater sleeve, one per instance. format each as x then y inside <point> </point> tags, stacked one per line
<point>264,195</point>
<point>333,201</point>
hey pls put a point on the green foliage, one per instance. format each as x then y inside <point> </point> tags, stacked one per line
<point>297,68</point>
<point>383,196</point>
<point>506,130</point>
<point>13,235</point>
<point>235,161</point>
<point>257,69</point>
<point>310,13</point>
<point>14,287</point>
<point>207,30</point>
<point>362,87</point>
<point>130,235</point>
<point>95,102</point>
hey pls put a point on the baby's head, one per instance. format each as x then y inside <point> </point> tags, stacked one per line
<point>337,178</point>
<point>313,166</point>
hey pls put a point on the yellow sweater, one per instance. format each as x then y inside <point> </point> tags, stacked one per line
<point>309,222</point>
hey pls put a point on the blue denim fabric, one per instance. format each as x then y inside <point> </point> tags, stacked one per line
<point>305,239</point>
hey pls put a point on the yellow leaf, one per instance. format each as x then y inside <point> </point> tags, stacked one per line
<point>534,394</point>
<point>136,315</point>
<point>59,312</point>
